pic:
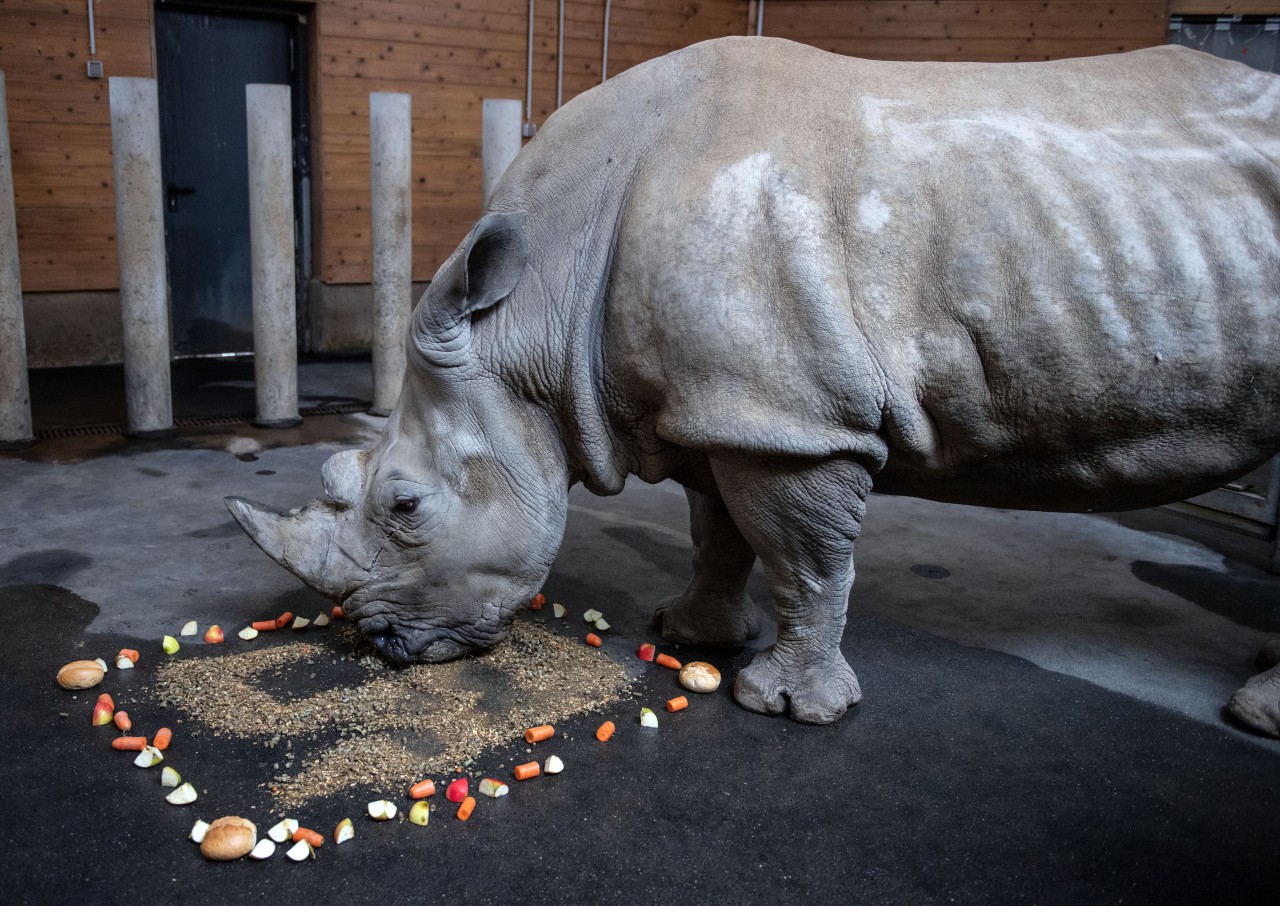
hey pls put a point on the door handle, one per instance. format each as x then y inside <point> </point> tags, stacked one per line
<point>171,193</point>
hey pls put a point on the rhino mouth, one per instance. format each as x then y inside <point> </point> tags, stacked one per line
<point>402,641</point>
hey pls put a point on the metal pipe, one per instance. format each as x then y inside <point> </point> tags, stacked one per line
<point>604,59</point>
<point>560,60</point>
<point>501,141</point>
<point>759,18</point>
<point>391,160</point>
<point>93,38</point>
<point>144,284</point>
<point>528,79</point>
<point>268,112</point>
<point>15,393</point>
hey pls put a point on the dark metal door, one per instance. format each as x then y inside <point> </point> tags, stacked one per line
<point>205,57</point>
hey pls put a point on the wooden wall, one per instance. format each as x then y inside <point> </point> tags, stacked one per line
<point>60,132</point>
<point>449,54</point>
<point>983,30</point>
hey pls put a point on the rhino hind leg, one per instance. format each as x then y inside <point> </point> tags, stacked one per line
<point>715,609</point>
<point>801,518</point>
<point>1257,703</point>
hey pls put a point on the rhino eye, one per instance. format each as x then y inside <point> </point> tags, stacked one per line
<point>405,504</point>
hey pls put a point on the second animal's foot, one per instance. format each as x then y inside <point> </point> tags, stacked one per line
<point>1257,703</point>
<point>816,691</point>
<point>717,622</point>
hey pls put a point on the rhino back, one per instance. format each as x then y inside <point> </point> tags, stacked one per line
<point>1046,285</point>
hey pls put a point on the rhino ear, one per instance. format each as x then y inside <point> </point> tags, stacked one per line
<point>481,274</point>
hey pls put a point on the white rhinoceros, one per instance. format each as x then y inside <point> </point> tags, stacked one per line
<point>780,277</point>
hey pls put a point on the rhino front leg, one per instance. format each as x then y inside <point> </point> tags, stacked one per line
<point>715,609</point>
<point>801,518</point>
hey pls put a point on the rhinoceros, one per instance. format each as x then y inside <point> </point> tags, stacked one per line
<point>781,277</point>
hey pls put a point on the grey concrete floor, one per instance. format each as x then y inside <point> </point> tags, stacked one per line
<point>1167,613</point>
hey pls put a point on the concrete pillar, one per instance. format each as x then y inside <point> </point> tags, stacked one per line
<point>391,177</point>
<point>502,120</point>
<point>271,250</point>
<point>144,284</point>
<point>15,396</point>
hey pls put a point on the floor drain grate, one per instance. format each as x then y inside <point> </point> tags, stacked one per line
<point>196,421</point>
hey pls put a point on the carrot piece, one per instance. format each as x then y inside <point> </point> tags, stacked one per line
<point>525,771</point>
<point>537,734</point>
<point>108,700</point>
<point>539,601</point>
<point>593,640</point>
<point>464,810</point>
<point>679,703</point>
<point>422,789</point>
<point>163,736</point>
<point>129,743</point>
<point>284,619</point>
<point>264,625</point>
<point>122,722</point>
<point>304,833</point>
<point>338,613</point>
<point>666,660</point>
<point>605,731</point>
<point>129,653</point>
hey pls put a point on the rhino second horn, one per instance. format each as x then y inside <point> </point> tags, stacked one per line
<point>343,476</point>
<point>300,542</point>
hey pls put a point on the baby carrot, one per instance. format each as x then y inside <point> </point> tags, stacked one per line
<point>163,737</point>
<point>422,789</point>
<point>129,653</point>
<point>593,640</point>
<point>605,731</point>
<point>539,601</point>
<point>338,613</point>
<point>525,771</point>
<point>284,619</point>
<point>666,660</point>
<point>309,835</point>
<point>122,722</point>
<point>679,703</point>
<point>264,625</point>
<point>537,734</point>
<point>464,810</point>
<point>129,743</point>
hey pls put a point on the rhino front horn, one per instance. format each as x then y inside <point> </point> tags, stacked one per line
<point>301,541</point>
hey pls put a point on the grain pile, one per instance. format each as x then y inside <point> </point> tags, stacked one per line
<point>393,726</point>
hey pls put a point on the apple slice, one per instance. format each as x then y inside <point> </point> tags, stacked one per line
<point>648,718</point>
<point>553,765</point>
<point>149,757</point>
<point>457,790</point>
<point>189,628</point>
<point>420,814</point>
<point>103,714</point>
<point>198,830</point>
<point>248,633</point>
<point>321,620</point>
<point>382,810</point>
<point>101,663</point>
<point>214,636</point>
<point>558,610</point>
<point>183,795</point>
<point>123,663</point>
<point>169,777</point>
<point>300,851</point>
<point>592,615</point>
<point>283,830</point>
<point>300,623</point>
<point>602,624</point>
<point>170,645</point>
<point>493,788</point>
<point>646,652</point>
<point>263,849</point>
<point>344,831</point>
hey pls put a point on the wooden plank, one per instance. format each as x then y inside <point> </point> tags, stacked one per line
<point>50,262</point>
<point>1224,7</point>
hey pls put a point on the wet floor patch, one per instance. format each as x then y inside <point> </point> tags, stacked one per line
<point>1243,599</point>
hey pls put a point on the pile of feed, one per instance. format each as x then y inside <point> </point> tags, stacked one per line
<point>391,726</point>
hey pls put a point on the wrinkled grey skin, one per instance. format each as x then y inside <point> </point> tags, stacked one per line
<point>779,277</point>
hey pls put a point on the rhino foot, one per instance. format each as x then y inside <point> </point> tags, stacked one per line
<point>819,691</point>
<point>712,620</point>
<point>1257,703</point>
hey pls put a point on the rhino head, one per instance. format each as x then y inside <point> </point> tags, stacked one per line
<point>436,537</point>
